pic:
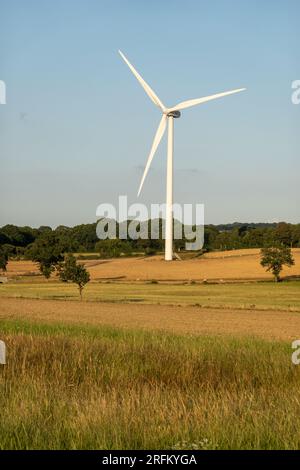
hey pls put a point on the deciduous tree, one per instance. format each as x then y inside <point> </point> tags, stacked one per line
<point>71,271</point>
<point>275,258</point>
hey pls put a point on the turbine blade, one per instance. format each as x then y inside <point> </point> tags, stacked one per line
<point>189,103</point>
<point>145,85</point>
<point>158,136</point>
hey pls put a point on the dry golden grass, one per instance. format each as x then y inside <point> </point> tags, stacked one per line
<point>67,387</point>
<point>236,264</point>
<point>270,325</point>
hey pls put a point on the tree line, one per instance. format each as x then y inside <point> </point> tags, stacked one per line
<point>20,242</point>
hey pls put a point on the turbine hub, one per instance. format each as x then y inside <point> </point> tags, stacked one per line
<point>174,114</point>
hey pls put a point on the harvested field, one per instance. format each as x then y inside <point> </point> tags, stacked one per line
<point>239,264</point>
<point>271,325</point>
<point>226,265</point>
<point>21,268</point>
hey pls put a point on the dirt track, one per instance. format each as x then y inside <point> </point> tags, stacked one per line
<point>183,320</point>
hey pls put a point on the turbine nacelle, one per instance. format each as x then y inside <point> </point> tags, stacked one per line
<point>175,114</point>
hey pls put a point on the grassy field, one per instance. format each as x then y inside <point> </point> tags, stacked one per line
<point>71,387</point>
<point>264,295</point>
<point>141,365</point>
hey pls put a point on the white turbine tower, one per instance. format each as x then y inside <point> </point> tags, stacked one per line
<point>168,115</point>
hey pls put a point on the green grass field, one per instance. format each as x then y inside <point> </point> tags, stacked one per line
<point>260,295</point>
<point>70,387</point>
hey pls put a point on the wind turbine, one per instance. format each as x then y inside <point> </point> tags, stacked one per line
<point>168,115</point>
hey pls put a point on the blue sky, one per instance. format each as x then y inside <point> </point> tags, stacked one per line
<point>77,127</point>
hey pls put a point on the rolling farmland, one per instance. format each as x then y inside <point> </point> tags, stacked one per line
<point>226,265</point>
<point>153,357</point>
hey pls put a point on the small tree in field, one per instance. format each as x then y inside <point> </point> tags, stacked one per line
<point>3,259</point>
<point>73,272</point>
<point>275,258</point>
